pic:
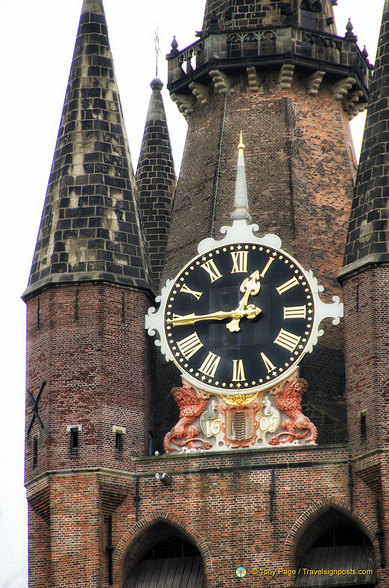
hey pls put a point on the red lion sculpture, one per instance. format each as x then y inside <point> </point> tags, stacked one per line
<point>191,406</point>
<point>288,400</point>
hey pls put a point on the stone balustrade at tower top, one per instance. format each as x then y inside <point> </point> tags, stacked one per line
<point>267,48</point>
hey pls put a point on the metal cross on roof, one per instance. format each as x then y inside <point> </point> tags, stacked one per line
<point>35,402</point>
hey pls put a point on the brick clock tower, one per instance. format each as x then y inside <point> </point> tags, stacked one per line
<point>247,473</point>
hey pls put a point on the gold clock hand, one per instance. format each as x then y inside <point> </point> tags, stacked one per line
<point>190,319</point>
<point>250,286</point>
<point>250,312</point>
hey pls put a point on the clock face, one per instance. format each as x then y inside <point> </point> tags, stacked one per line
<point>239,317</point>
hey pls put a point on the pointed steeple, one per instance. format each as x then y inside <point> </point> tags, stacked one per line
<point>368,236</point>
<point>156,179</point>
<point>91,227</point>
<point>241,203</point>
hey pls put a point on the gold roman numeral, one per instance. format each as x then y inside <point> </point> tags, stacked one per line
<point>268,364</point>
<point>239,260</point>
<point>288,285</point>
<point>190,345</point>
<point>295,312</point>
<point>237,370</point>
<point>186,290</point>
<point>209,365</point>
<point>212,270</point>
<point>287,340</point>
<point>269,262</point>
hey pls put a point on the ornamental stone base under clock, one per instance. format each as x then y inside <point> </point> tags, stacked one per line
<point>259,419</point>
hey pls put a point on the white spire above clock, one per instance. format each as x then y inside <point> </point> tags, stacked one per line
<point>241,203</point>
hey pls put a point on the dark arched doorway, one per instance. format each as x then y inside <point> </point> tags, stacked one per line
<point>163,556</point>
<point>335,552</point>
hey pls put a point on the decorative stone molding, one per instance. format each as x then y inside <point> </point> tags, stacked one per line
<point>120,430</point>
<point>341,88</point>
<point>252,79</point>
<point>314,82</point>
<point>352,105</point>
<point>220,81</point>
<point>70,428</point>
<point>286,75</point>
<point>184,103</point>
<point>200,92</point>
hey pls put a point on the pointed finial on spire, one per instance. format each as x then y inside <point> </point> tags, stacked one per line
<point>349,32</point>
<point>174,46</point>
<point>157,51</point>
<point>241,204</point>
<point>95,6</point>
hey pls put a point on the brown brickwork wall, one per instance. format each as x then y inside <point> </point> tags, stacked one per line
<point>299,171</point>
<point>225,512</point>
<point>367,356</point>
<point>39,565</point>
<point>91,349</point>
<point>219,502</point>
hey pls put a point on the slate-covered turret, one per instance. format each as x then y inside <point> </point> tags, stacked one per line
<point>368,235</point>
<point>91,228</point>
<point>365,279</point>
<point>156,180</point>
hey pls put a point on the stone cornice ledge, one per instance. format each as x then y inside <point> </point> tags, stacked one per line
<point>71,472</point>
<point>158,462</point>
<point>357,266</point>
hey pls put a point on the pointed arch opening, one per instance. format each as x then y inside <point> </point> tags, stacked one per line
<point>163,555</point>
<point>334,551</point>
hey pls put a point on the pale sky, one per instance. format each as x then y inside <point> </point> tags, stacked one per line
<point>38,39</point>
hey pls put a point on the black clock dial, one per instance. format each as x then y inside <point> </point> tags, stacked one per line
<point>239,317</point>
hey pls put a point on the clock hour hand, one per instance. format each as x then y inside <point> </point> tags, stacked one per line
<point>250,286</point>
<point>250,312</point>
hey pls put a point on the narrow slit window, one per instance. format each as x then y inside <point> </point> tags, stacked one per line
<point>119,443</point>
<point>151,443</point>
<point>363,426</point>
<point>74,440</point>
<point>119,433</point>
<point>35,450</point>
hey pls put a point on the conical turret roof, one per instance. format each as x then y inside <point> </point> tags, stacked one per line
<point>156,179</point>
<point>368,237</point>
<point>91,228</point>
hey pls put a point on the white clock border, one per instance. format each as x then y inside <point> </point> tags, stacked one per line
<point>242,232</point>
